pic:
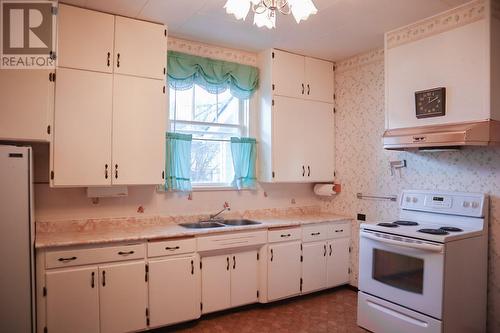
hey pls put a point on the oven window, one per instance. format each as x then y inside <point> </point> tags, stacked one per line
<point>399,271</point>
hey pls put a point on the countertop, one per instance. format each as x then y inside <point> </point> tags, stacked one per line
<point>123,231</point>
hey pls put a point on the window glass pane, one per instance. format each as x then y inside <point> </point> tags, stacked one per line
<point>181,104</point>
<point>205,109</point>
<point>207,131</point>
<point>229,108</point>
<point>211,163</point>
<point>399,271</point>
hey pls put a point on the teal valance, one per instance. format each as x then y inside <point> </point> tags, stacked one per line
<point>215,76</point>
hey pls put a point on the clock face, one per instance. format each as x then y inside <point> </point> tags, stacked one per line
<point>430,103</point>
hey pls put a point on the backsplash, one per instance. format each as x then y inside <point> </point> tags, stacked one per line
<point>362,165</point>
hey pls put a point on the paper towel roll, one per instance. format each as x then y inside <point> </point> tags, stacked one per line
<point>325,190</point>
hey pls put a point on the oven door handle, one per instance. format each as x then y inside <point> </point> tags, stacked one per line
<point>419,246</point>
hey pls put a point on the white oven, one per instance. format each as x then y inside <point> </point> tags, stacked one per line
<point>403,270</point>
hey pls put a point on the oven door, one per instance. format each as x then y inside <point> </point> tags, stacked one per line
<point>406,271</point>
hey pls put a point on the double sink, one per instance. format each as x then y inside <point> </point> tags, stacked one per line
<point>218,224</point>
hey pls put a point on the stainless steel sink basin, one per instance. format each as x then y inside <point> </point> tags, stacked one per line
<point>202,225</point>
<point>239,222</point>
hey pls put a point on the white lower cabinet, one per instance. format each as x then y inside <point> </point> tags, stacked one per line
<point>314,266</point>
<point>338,262</point>
<point>229,280</point>
<point>72,300</point>
<point>174,290</point>
<point>284,270</point>
<point>123,297</point>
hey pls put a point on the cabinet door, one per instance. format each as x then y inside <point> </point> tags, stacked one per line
<point>319,137</point>
<point>139,124</point>
<point>215,283</point>
<point>338,262</point>
<point>23,117</point>
<point>72,300</point>
<point>244,278</point>
<point>284,270</point>
<point>319,80</point>
<point>288,74</point>
<point>82,128</point>
<point>140,48</point>
<point>289,139</point>
<point>123,297</point>
<point>85,39</point>
<point>314,266</point>
<point>174,290</point>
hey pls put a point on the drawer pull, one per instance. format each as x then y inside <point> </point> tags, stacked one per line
<point>104,278</point>
<point>285,235</point>
<point>315,233</point>
<point>67,259</point>
<point>192,267</point>
<point>126,253</point>
<point>339,230</point>
<point>168,248</point>
<point>92,280</point>
<point>330,250</point>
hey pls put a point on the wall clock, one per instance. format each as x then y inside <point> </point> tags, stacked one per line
<point>430,103</point>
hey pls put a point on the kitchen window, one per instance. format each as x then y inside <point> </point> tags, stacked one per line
<point>212,119</point>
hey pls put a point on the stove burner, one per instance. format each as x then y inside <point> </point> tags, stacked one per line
<point>388,225</point>
<point>434,231</point>
<point>452,229</point>
<point>405,223</point>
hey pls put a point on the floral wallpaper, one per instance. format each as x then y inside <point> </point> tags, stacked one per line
<point>362,165</point>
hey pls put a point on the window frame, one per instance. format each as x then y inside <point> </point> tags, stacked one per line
<point>243,127</point>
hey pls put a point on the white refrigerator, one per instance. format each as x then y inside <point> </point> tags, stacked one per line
<point>17,285</point>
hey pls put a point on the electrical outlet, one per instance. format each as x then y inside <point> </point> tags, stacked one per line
<point>361,217</point>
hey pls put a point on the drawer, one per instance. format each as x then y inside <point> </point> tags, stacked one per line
<point>339,229</point>
<point>171,247</point>
<point>314,232</point>
<point>74,257</point>
<point>284,234</point>
<point>234,240</point>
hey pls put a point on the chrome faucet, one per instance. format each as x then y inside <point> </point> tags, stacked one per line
<point>224,208</point>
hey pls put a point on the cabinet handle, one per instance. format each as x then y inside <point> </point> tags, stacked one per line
<point>272,255</point>
<point>339,230</point>
<point>92,280</point>
<point>308,171</point>
<point>324,253</point>
<point>308,89</point>
<point>116,171</point>
<point>234,262</point>
<point>104,278</point>
<point>227,258</point>
<point>168,248</point>
<point>315,233</point>
<point>303,171</point>
<point>106,171</point>
<point>302,89</point>
<point>192,267</point>
<point>118,60</point>
<point>285,235</point>
<point>109,56</point>
<point>330,250</point>
<point>125,253</point>
<point>67,259</point>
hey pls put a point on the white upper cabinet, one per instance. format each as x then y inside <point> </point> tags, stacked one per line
<point>288,74</point>
<point>139,120</point>
<point>319,80</point>
<point>140,48</point>
<point>85,39</point>
<point>82,134</point>
<point>26,117</point>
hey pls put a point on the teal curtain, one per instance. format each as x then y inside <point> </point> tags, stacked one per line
<point>178,162</point>
<point>215,76</point>
<point>244,152</point>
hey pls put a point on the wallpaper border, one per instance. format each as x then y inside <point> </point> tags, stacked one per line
<point>360,60</point>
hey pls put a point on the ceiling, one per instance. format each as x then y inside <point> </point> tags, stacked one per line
<point>340,29</point>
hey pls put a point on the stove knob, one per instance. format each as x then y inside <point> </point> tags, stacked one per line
<point>475,204</point>
<point>414,199</point>
<point>408,199</point>
<point>466,204</point>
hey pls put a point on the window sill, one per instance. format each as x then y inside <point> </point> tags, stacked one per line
<point>216,188</point>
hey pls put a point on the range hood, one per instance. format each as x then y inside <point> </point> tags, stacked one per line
<point>446,136</point>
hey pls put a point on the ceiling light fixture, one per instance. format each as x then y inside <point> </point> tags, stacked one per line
<point>265,10</point>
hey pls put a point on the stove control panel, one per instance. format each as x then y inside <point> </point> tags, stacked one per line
<point>467,204</point>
